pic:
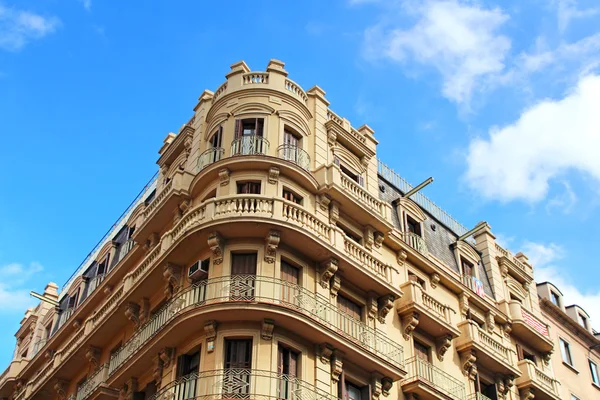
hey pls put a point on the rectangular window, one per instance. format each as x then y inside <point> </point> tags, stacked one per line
<point>216,138</point>
<point>290,138</point>
<point>565,351</point>
<point>349,233</point>
<point>287,365</point>
<point>243,275</point>
<point>555,299</point>
<point>188,364</point>
<point>73,301</point>
<point>413,226</point>
<point>422,352</point>
<point>291,196</point>
<point>290,277</point>
<point>594,372</point>
<point>349,316</point>
<point>248,188</point>
<point>249,127</point>
<point>48,330</point>
<point>573,397</point>
<point>467,267</point>
<point>238,359</point>
<point>355,177</point>
<point>582,320</point>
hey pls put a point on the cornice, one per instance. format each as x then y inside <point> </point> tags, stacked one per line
<point>562,318</point>
<point>349,139</point>
<point>175,147</point>
<point>32,319</point>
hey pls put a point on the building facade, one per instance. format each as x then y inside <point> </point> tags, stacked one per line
<point>275,257</point>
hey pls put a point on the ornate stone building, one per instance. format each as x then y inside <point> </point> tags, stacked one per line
<point>275,257</point>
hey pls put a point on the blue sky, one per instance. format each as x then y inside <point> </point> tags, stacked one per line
<point>498,101</point>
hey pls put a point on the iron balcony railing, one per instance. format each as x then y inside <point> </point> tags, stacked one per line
<point>418,369</point>
<point>415,241</point>
<point>126,248</point>
<point>478,396</point>
<point>249,145</point>
<point>238,383</point>
<point>259,289</point>
<point>95,282</point>
<point>94,381</point>
<point>209,156</point>
<point>294,154</point>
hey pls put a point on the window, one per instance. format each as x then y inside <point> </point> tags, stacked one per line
<point>291,139</point>
<point>350,391</point>
<point>73,301</point>
<point>188,364</point>
<point>413,226</point>
<point>215,140</point>
<point>291,196</point>
<point>24,354</point>
<point>248,188</point>
<point>525,355</point>
<point>573,397</point>
<point>355,177</point>
<point>555,298</point>
<point>582,320</point>
<point>565,351</point>
<point>414,278</point>
<point>488,390</point>
<point>238,359</point>
<point>594,372</point>
<point>467,267</point>
<point>422,352</point>
<point>290,277</point>
<point>48,330</point>
<point>287,364</point>
<point>249,127</point>
<point>349,233</point>
<point>350,312</point>
<point>243,273</point>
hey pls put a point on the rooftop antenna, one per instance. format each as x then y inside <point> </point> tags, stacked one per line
<point>468,233</point>
<point>418,187</point>
<point>44,298</point>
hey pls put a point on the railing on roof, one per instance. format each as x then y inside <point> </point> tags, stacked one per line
<point>400,183</point>
<point>113,229</point>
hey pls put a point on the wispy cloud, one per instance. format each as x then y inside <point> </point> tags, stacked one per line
<point>568,10</point>
<point>460,40</point>
<point>546,259</point>
<point>87,4</point>
<point>518,161</point>
<point>13,277</point>
<point>18,27</point>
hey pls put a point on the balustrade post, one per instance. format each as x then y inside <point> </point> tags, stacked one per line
<point>278,208</point>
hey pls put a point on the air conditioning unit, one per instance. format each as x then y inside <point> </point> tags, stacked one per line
<point>199,270</point>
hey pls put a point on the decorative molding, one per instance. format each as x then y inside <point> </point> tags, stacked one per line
<point>546,357</point>
<point>325,352</point>
<point>157,370</point>
<point>386,304</point>
<point>172,275</point>
<point>128,389</point>
<point>401,257</point>
<point>434,279</point>
<point>210,331</point>
<point>386,385</point>
<point>215,242</point>
<point>144,310</point>
<point>266,331</point>
<point>467,362</point>
<point>166,355</point>
<point>76,324</point>
<point>528,394</point>
<point>327,270</point>
<point>152,241</point>
<point>499,381</point>
<point>376,386</point>
<point>334,212</point>
<point>271,243</point>
<point>132,312</point>
<point>60,387</point>
<point>409,323</point>
<point>490,323</point>
<point>93,354</point>
<point>337,364</point>
<point>331,137</point>
<point>372,306</point>
<point>335,285</point>
<point>463,304</point>
<point>442,344</point>
<point>507,328</point>
<point>224,177</point>
<point>378,238</point>
<point>369,239</point>
<point>509,382</point>
<point>323,201</point>
<point>273,175</point>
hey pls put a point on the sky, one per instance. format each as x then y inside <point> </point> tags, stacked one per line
<point>497,100</point>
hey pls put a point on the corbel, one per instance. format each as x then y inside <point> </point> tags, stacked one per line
<point>266,331</point>
<point>157,370</point>
<point>128,389</point>
<point>335,285</point>
<point>372,305</point>
<point>334,212</point>
<point>463,303</point>
<point>509,382</point>
<point>327,270</point>
<point>331,137</point>
<point>499,381</point>
<point>76,324</point>
<point>401,257</point>
<point>152,241</point>
<point>467,361</point>
<point>527,394</point>
<point>144,310</point>
<point>224,177</point>
<point>490,322</point>
<point>166,355</point>
<point>215,242</point>
<point>386,385</point>
<point>172,275</point>
<point>376,386</point>
<point>378,239</point>
<point>442,344</point>
<point>60,387</point>
<point>386,304</point>
<point>273,175</point>
<point>324,201</point>
<point>507,328</point>
<point>132,312</point>
<point>337,363</point>
<point>434,279</point>
<point>271,243</point>
<point>210,331</point>
<point>325,352</point>
<point>369,239</point>
<point>410,322</point>
<point>93,354</point>
<point>546,357</point>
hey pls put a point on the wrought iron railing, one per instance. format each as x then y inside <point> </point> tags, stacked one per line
<point>95,282</point>
<point>241,384</point>
<point>415,241</point>
<point>259,289</point>
<point>249,145</point>
<point>95,380</point>
<point>209,156</point>
<point>126,248</point>
<point>294,154</point>
<point>418,369</point>
<point>478,396</point>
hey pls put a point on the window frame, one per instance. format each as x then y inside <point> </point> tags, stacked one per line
<point>249,185</point>
<point>594,369</point>
<point>296,198</point>
<point>565,350</point>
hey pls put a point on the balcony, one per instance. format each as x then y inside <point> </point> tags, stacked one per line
<point>210,156</point>
<point>249,145</point>
<point>294,154</point>
<point>435,318</point>
<point>430,382</point>
<point>126,248</point>
<point>416,242</point>
<point>533,378</point>
<point>320,316</point>
<point>95,387</point>
<point>529,328</point>
<point>490,353</point>
<point>240,384</point>
<point>95,282</point>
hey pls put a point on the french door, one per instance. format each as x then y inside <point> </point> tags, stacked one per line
<point>290,277</point>
<point>243,276</point>
<point>287,371</point>
<point>236,376</point>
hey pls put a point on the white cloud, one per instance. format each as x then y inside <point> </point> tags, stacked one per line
<point>12,277</point>
<point>553,137</point>
<point>18,27</point>
<point>460,40</point>
<point>545,260</point>
<point>87,4</point>
<point>567,11</point>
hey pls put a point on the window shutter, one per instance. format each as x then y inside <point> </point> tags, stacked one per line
<point>360,180</point>
<point>279,360</point>
<point>519,352</point>
<point>238,128</point>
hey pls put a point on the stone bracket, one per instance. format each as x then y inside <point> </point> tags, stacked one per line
<point>271,244</point>
<point>215,242</point>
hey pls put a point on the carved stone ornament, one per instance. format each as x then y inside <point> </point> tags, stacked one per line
<point>527,394</point>
<point>442,344</point>
<point>401,257</point>
<point>386,385</point>
<point>546,357</point>
<point>184,206</point>
<point>372,306</point>
<point>489,321</point>
<point>434,279</point>
<point>499,380</point>
<point>378,238</point>
<point>76,324</point>
<point>334,212</point>
<point>331,137</point>
<point>327,270</point>
<point>271,243</point>
<point>507,328</point>
<point>409,323</point>
<point>369,238</point>
<point>128,389</point>
<point>49,354</point>
<point>273,175</point>
<point>386,304</point>
<point>93,355</point>
<point>166,355</point>
<point>60,387</point>
<point>375,386</point>
<point>335,285</point>
<point>144,310</point>
<point>172,275</point>
<point>132,312</point>
<point>224,177</point>
<point>467,361</point>
<point>509,382</point>
<point>107,290</point>
<point>266,331</point>
<point>152,241</point>
<point>324,201</point>
<point>215,242</point>
<point>337,363</point>
<point>187,144</point>
<point>210,330</point>
<point>325,352</point>
<point>463,303</point>
<point>157,370</point>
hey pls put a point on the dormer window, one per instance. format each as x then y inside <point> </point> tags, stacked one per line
<point>555,298</point>
<point>467,267</point>
<point>582,320</point>
<point>413,226</point>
